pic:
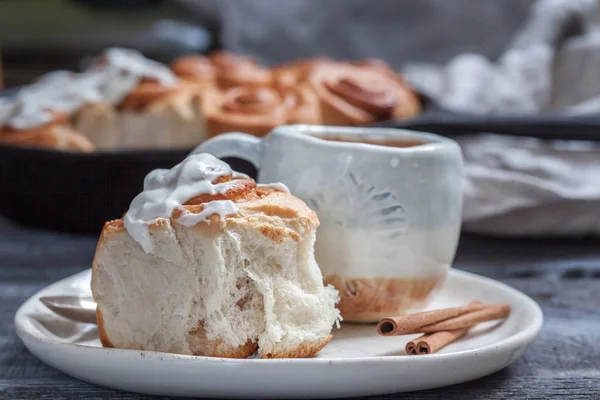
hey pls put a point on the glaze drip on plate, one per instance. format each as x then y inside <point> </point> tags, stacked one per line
<point>167,189</point>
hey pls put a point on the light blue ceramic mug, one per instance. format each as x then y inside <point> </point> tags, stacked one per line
<point>389,202</point>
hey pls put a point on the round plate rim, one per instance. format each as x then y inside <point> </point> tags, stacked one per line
<point>520,339</point>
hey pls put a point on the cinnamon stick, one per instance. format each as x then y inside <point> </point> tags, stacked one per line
<point>488,313</point>
<point>411,323</point>
<point>411,347</point>
<point>432,342</point>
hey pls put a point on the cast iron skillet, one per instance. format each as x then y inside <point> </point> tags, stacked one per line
<point>76,192</point>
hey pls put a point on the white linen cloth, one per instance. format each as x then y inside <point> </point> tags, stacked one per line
<point>517,186</point>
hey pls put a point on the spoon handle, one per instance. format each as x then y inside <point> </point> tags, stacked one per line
<point>80,309</point>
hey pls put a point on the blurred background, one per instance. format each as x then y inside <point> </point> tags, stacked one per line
<point>38,36</point>
<point>535,58</point>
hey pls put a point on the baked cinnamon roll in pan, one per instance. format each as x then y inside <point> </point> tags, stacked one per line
<point>144,106</point>
<point>57,134</point>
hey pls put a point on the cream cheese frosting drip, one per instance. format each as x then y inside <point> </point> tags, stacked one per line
<point>280,187</point>
<point>111,77</point>
<point>220,207</point>
<point>123,69</point>
<point>167,189</point>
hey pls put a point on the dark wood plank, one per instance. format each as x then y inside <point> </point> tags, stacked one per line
<point>563,276</point>
<point>23,246</point>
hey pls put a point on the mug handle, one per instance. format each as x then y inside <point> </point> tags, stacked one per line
<point>239,145</point>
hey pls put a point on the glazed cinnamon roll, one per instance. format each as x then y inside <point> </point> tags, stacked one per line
<point>360,95</point>
<point>57,134</point>
<point>225,244</point>
<point>259,109</point>
<point>143,105</point>
<point>148,95</point>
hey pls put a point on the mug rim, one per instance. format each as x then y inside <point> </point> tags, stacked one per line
<point>432,141</point>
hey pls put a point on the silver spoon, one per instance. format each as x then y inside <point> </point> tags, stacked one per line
<point>81,309</point>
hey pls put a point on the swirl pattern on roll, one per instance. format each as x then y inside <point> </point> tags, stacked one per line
<point>361,94</point>
<point>235,70</point>
<point>258,109</point>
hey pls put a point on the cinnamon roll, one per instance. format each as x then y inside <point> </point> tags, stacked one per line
<point>360,95</point>
<point>289,75</point>
<point>142,105</point>
<point>200,265</point>
<point>223,58</point>
<point>148,95</point>
<point>259,109</point>
<point>56,134</point>
<point>194,68</point>
<point>222,68</point>
<point>236,70</point>
<point>377,64</point>
<point>197,71</point>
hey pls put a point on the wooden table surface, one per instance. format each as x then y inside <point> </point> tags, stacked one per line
<point>563,276</point>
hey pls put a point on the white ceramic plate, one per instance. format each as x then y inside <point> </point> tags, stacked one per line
<point>357,362</point>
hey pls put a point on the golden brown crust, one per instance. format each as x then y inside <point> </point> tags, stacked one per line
<point>197,73</point>
<point>272,203</point>
<point>200,345</point>
<point>146,93</point>
<point>370,299</point>
<point>409,105</point>
<point>243,190</point>
<point>223,58</point>
<point>114,224</point>
<point>236,70</point>
<point>101,331</point>
<point>194,68</point>
<point>360,95</point>
<point>247,109</point>
<point>54,135</point>
<point>376,63</point>
<point>251,201</point>
<point>277,234</point>
<point>304,350</point>
<point>279,204</point>
<point>305,108</point>
<point>258,109</point>
<point>243,75</point>
<point>297,72</point>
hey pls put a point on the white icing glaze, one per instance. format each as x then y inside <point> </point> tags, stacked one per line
<point>123,69</point>
<point>221,207</point>
<point>167,189</point>
<point>276,186</point>
<point>110,79</point>
<point>239,175</point>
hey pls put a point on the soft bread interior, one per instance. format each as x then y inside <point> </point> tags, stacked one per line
<point>219,289</point>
